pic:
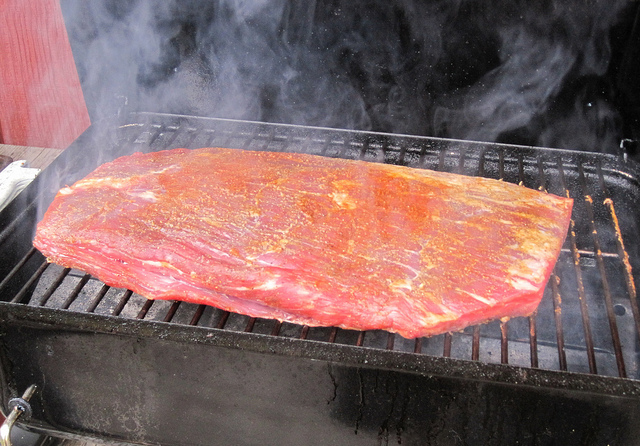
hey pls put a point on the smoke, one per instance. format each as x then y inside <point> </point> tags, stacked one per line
<point>510,71</point>
<point>545,53</point>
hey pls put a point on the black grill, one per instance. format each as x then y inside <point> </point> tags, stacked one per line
<point>588,322</point>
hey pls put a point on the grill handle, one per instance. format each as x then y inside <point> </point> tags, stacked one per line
<point>19,407</point>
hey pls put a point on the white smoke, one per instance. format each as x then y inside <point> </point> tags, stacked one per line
<point>542,49</point>
<point>463,69</point>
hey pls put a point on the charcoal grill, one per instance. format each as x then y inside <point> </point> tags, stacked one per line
<point>110,365</point>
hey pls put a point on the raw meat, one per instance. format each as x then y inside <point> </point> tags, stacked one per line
<point>309,239</point>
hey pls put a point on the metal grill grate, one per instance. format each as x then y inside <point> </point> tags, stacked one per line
<point>588,321</point>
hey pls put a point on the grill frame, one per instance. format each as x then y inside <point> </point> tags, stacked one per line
<point>532,166</point>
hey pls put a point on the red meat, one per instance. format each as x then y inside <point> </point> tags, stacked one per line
<point>309,239</point>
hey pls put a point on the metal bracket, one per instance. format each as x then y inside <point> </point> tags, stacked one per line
<point>19,407</point>
<point>629,148</point>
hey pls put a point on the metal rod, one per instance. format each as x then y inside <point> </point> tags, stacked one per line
<point>584,310</point>
<point>383,151</point>
<point>520,169</point>
<point>343,150</point>
<point>250,324</point>
<point>611,316</point>
<point>613,326</point>
<point>269,140</point>
<point>97,298</point>
<point>446,349</point>
<point>172,311</point>
<point>592,254</point>
<point>403,151</point>
<point>533,340</point>
<point>145,309</point>
<point>325,146</point>
<point>360,339</point>
<point>136,136</point>
<point>19,220</point>
<point>210,135</point>
<point>622,252</point>
<point>423,154</point>
<point>541,175</point>
<point>364,149</point>
<point>76,290</point>
<point>504,342</point>
<point>557,314</point>
<point>533,333</point>
<point>390,341</point>
<point>154,135</point>
<point>192,136</point>
<point>475,344</point>
<point>164,130</point>
<point>223,320</point>
<point>417,347</point>
<point>333,334</point>
<point>33,279</point>
<point>53,287</point>
<point>198,314</point>
<point>251,137</point>
<point>460,168</point>
<point>631,287</point>
<point>481,162</point>
<point>304,332</point>
<point>123,302</point>
<point>275,331</point>
<point>15,269</point>
<point>149,129</point>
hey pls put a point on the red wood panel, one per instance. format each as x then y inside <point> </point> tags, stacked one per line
<point>41,101</point>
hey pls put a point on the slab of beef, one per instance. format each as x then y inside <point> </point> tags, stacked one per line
<point>309,239</point>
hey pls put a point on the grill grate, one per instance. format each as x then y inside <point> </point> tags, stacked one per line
<point>588,321</point>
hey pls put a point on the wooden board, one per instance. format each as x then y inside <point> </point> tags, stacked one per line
<point>38,157</point>
<point>4,161</point>
<point>41,100</point>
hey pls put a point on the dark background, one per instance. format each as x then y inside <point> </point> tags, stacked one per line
<point>551,73</point>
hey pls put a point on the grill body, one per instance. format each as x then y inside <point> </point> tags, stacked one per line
<point>157,384</point>
<point>111,365</point>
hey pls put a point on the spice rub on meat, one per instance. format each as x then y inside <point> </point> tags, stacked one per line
<point>309,239</point>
